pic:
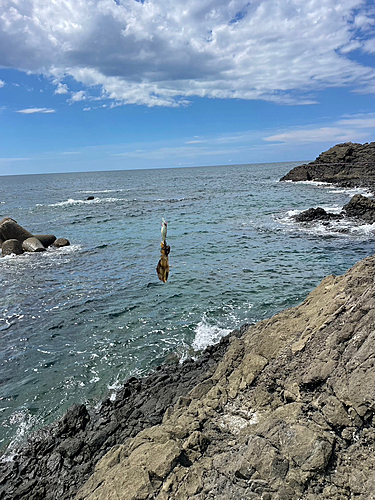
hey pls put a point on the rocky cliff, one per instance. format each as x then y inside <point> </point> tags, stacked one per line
<point>288,413</point>
<point>348,164</point>
<point>280,410</point>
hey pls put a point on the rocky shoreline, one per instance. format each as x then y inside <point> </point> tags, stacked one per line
<point>58,459</point>
<point>287,414</point>
<point>280,410</point>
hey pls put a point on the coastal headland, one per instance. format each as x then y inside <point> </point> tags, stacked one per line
<point>348,164</point>
<point>279,410</point>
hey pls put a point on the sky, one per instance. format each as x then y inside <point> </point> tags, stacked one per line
<point>91,85</point>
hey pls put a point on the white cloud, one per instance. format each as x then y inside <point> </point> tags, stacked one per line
<point>163,52</point>
<point>29,111</point>
<point>78,96</point>
<point>2,83</point>
<point>62,88</point>
<point>349,128</point>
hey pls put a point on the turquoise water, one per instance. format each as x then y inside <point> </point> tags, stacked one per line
<point>76,322</point>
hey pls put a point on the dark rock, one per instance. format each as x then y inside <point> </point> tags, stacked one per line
<point>12,247</point>
<point>348,164</point>
<point>74,420</point>
<point>32,244</point>
<point>361,207</point>
<point>89,198</point>
<point>9,230</point>
<point>319,213</point>
<point>61,242</point>
<point>46,239</point>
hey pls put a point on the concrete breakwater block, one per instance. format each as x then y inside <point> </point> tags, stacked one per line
<point>9,230</point>
<point>33,245</point>
<point>46,239</point>
<point>14,239</point>
<point>12,246</point>
<point>61,242</point>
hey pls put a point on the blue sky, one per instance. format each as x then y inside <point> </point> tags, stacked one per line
<point>125,84</point>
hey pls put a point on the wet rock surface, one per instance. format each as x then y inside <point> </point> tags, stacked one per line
<point>313,214</point>
<point>58,459</point>
<point>348,164</point>
<point>361,207</point>
<point>280,410</point>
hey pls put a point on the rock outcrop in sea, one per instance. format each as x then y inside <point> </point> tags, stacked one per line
<point>348,164</point>
<point>281,410</point>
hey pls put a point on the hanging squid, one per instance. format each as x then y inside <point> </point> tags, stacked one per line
<point>163,265</point>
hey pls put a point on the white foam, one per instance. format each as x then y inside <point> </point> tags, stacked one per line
<point>333,188</point>
<point>71,202</point>
<point>103,191</point>
<point>206,334</point>
<point>26,422</point>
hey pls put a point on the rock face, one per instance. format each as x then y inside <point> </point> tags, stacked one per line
<point>361,207</point>
<point>282,410</point>
<point>348,164</point>
<point>57,460</point>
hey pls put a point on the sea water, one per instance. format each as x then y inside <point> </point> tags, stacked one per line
<point>76,322</point>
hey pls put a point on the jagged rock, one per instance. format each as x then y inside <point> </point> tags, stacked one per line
<point>262,443</point>
<point>284,409</point>
<point>32,244</point>
<point>316,214</point>
<point>46,239</point>
<point>12,246</point>
<point>61,242</point>
<point>348,164</point>
<point>361,207</point>
<point>9,229</point>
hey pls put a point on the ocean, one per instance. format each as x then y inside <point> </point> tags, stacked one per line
<point>76,322</point>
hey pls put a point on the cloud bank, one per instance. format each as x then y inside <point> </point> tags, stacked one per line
<point>163,52</point>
